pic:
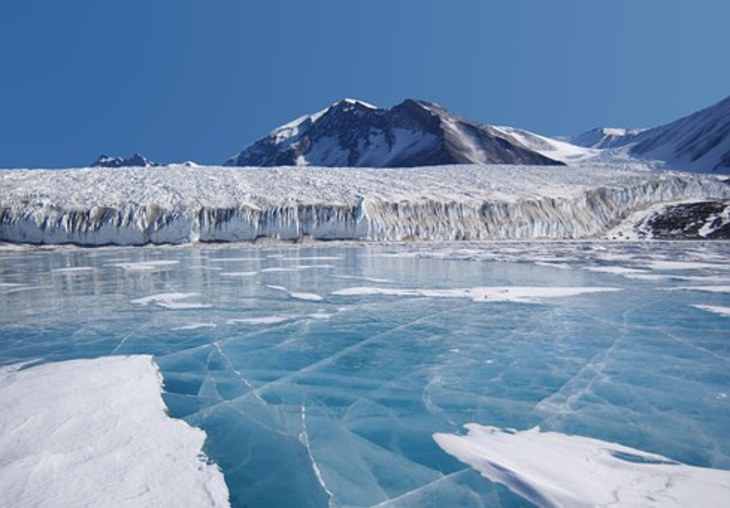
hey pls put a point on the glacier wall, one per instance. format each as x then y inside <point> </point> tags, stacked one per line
<point>529,205</point>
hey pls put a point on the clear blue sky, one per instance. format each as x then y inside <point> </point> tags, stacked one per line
<point>200,79</point>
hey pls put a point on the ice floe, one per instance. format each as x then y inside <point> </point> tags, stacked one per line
<point>299,295</point>
<point>561,266</point>
<point>238,274</point>
<point>277,319</point>
<point>96,433</point>
<point>171,301</point>
<point>704,289</point>
<point>685,265</point>
<point>310,258</point>
<point>231,260</point>
<point>553,469</point>
<point>366,279</point>
<point>75,269</point>
<point>263,320</point>
<point>194,326</point>
<point>145,266</point>
<point>715,309</point>
<point>480,294</point>
<point>618,270</point>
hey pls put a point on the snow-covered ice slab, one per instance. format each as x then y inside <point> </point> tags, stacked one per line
<point>553,469</point>
<point>96,433</point>
<point>180,204</point>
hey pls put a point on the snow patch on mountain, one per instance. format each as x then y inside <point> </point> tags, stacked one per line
<point>549,147</point>
<point>606,137</point>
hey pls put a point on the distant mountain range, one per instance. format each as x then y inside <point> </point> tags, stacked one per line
<point>134,160</point>
<point>352,132</point>
<point>696,142</point>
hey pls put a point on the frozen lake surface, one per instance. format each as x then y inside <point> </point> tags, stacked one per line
<point>321,373</point>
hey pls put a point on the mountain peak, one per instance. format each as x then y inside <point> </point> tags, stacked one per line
<point>347,101</point>
<point>351,132</point>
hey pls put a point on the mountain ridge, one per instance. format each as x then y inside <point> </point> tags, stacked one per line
<point>413,133</point>
<point>699,141</point>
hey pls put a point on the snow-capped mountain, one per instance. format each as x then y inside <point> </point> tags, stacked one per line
<point>697,142</point>
<point>134,160</point>
<point>414,133</point>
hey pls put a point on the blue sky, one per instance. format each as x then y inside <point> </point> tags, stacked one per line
<point>194,79</point>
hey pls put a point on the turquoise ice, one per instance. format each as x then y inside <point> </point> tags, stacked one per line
<point>321,373</point>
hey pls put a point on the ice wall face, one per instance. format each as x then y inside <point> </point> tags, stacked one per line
<point>178,204</point>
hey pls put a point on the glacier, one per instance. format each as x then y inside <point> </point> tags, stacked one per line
<point>181,204</point>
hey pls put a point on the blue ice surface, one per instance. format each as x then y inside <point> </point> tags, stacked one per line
<point>336,402</point>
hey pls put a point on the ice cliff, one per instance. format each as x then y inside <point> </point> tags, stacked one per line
<point>179,204</point>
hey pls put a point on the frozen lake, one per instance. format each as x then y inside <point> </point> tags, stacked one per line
<point>320,373</point>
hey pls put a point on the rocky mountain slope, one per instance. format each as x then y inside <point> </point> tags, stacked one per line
<point>134,160</point>
<point>697,142</point>
<point>413,133</point>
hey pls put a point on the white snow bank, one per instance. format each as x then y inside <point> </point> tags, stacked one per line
<point>553,469</point>
<point>523,294</point>
<point>96,433</point>
<point>178,204</point>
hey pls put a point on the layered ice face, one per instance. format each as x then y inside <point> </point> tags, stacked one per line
<point>320,374</point>
<point>179,204</point>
